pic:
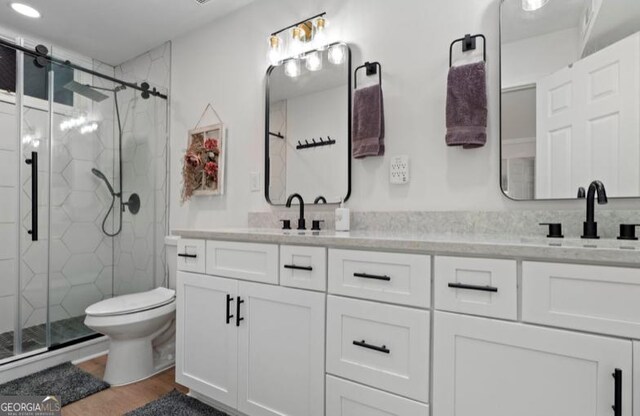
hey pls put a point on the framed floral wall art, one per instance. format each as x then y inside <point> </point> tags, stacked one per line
<point>203,165</point>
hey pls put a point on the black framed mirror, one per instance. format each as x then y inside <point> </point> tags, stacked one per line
<point>570,97</point>
<point>308,126</point>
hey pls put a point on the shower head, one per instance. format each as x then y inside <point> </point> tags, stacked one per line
<point>86,91</point>
<point>104,178</point>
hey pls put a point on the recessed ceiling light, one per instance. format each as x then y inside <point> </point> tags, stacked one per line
<point>532,5</point>
<point>25,10</point>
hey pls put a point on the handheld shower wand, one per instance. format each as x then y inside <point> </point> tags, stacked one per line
<point>106,181</point>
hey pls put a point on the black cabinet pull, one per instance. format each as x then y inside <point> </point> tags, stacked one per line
<point>238,317</point>
<point>229,316</point>
<point>617,407</point>
<point>191,256</point>
<point>364,344</point>
<point>34,195</point>
<point>372,276</point>
<point>294,267</point>
<point>473,287</point>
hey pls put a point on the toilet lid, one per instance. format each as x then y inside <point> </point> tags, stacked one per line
<point>136,302</point>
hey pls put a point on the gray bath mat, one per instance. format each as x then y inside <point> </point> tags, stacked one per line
<point>176,404</point>
<point>64,380</point>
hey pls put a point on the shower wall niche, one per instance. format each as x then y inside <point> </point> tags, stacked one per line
<point>45,285</point>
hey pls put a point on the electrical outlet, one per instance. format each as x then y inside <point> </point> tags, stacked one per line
<point>254,179</point>
<point>399,170</point>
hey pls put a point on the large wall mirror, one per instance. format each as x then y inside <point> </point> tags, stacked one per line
<point>570,107</point>
<point>308,134</point>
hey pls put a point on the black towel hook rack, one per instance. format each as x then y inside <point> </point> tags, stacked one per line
<point>372,68</point>
<point>469,44</point>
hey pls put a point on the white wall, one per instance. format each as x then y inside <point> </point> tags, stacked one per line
<point>525,61</point>
<point>225,63</point>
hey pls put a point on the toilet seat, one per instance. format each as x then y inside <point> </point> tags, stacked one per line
<point>133,303</point>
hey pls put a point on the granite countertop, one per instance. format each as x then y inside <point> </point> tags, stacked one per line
<point>605,251</point>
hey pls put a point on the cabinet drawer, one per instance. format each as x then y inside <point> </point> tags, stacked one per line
<point>388,277</point>
<point>303,267</point>
<point>191,257</point>
<point>591,298</point>
<point>345,398</point>
<point>383,346</point>
<point>246,261</point>
<point>486,287</point>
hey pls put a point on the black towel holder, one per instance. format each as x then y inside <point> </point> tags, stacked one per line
<point>468,44</point>
<point>372,68</point>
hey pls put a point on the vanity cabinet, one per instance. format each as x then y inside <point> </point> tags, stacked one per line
<point>254,347</point>
<point>489,367</point>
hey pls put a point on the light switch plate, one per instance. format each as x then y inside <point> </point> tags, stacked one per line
<point>399,170</point>
<point>254,181</point>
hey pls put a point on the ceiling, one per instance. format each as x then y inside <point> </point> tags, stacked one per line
<point>114,31</point>
<point>517,24</point>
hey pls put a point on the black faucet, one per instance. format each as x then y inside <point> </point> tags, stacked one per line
<point>320,199</point>
<point>590,225</point>
<point>301,221</point>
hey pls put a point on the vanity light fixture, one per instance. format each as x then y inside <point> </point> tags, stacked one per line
<point>275,50</point>
<point>292,68</point>
<point>313,61</point>
<point>25,10</point>
<point>296,47</point>
<point>336,54</point>
<point>320,34</point>
<point>533,5</point>
<point>310,33</point>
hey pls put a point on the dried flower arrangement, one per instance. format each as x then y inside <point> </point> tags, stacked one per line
<point>203,166</point>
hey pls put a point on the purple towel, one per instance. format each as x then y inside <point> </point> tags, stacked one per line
<point>467,106</point>
<point>368,122</point>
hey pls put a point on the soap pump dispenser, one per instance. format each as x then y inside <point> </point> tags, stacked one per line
<point>342,217</point>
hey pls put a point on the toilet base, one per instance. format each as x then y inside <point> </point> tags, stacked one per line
<point>131,360</point>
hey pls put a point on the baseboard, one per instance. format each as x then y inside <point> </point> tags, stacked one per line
<point>74,353</point>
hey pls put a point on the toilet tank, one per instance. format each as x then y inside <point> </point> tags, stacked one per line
<point>171,248</point>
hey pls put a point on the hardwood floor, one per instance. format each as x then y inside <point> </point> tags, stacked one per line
<point>120,400</point>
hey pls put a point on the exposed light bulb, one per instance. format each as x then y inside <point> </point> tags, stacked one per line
<point>275,53</point>
<point>336,54</point>
<point>292,68</point>
<point>532,5</point>
<point>296,47</point>
<point>320,36</point>
<point>313,61</point>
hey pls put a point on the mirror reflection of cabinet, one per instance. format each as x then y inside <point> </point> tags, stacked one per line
<point>308,134</point>
<point>570,98</point>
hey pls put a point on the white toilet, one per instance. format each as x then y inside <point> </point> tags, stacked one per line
<point>140,327</point>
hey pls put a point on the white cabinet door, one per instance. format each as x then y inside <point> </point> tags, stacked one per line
<point>488,367</point>
<point>281,351</point>
<point>206,341</point>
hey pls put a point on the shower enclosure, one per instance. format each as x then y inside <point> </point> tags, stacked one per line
<point>83,193</point>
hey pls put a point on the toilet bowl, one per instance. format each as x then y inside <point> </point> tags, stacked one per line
<point>138,325</point>
<point>132,322</point>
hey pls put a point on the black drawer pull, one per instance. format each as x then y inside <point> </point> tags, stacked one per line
<point>229,316</point>
<point>294,267</point>
<point>191,256</point>
<point>617,407</point>
<point>364,344</point>
<point>473,287</point>
<point>238,317</point>
<point>372,276</point>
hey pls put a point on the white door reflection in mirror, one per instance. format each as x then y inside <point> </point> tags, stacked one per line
<point>570,98</point>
